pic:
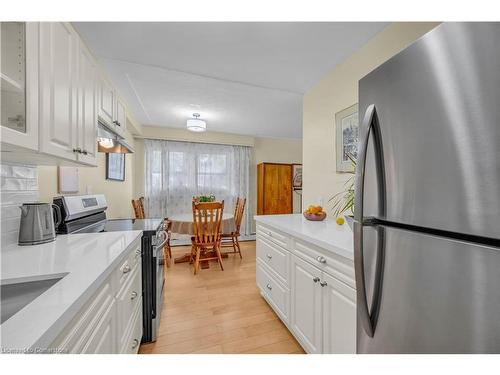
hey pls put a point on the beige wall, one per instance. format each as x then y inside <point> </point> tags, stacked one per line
<point>336,91</point>
<point>118,194</point>
<point>263,150</point>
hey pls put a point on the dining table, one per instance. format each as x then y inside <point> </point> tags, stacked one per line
<point>183,224</point>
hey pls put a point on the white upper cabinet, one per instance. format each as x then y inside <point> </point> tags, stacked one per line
<point>52,96</point>
<point>58,90</point>
<point>106,102</point>
<point>87,107</point>
<point>19,85</point>
<point>306,317</point>
<point>121,118</point>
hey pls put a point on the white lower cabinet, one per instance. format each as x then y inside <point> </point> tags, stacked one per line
<point>111,321</point>
<point>306,305</point>
<point>319,308</point>
<point>339,316</point>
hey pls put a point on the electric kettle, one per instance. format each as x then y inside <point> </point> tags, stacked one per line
<point>37,224</point>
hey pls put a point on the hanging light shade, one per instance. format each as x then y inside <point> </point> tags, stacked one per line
<point>195,124</point>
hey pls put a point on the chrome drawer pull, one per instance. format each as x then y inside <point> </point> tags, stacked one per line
<point>133,295</point>
<point>316,279</point>
<point>269,256</point>
<point>321,259</point>
<point>135,343</point>
<point>269,287</point>
<point>126,269</point>
<point>323,283</point>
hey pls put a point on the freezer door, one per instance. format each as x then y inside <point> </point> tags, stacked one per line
<point>437,295</point>
<point>438,109</point>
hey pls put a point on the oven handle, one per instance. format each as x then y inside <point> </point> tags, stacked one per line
<point>163,234</point>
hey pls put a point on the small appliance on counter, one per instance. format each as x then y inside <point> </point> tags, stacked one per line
<point>37,224</point>
<point>86,214</point>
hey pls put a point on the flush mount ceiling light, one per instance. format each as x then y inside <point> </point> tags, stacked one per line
<point>195,124</point>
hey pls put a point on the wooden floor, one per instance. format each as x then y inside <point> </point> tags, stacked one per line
<point>219,311</point>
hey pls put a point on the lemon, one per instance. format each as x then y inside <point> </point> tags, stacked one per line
<point>340,221</point>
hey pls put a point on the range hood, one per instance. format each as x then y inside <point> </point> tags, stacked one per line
<point>110,142</point>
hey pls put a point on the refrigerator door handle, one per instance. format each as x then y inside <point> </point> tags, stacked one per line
<point>368,316</point>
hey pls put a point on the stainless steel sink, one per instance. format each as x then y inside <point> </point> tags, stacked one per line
<point>15,296</point>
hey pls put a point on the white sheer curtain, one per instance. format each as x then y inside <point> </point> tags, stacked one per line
<point>176,171</point>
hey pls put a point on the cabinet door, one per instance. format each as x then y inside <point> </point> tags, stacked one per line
<point>19,84</point>
<point>339,316</point>
<point>121,117</point>
<point>58,91</point>
<point>306,317</point>
<point>277,189</point>
<point>87,108</point>
<point>106,102</point>
<point>102,340</point>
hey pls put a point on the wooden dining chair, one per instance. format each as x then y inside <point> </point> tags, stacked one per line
<point>167,250</point>
<point>138,205</point>
<point>231,239</point>
<point>207,220</point>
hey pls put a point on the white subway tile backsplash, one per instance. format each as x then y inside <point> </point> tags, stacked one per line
<point>18,184</point>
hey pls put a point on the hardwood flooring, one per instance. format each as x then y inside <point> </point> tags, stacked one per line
<point>218,311</point>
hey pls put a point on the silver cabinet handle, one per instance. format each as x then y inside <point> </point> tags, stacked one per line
<point>77,150</point>
<point>133,295</point>
<point>126,269</point>
<point>321,259</point>
<point>138,252</point>
<point>316,279</point>
<point>269,287</point>
<point>323,283</point>
<point>85,152</point>
<point>135,343</point>
<point>269,256</point>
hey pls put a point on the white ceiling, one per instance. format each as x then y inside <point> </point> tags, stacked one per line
<point>243,78</point>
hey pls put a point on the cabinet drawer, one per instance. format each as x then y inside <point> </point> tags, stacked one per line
<point>127,300</point>
<point>277,295</point>
<point>127,267</point>
<point>275,257</point>
<point>341,268</point>
<point>273,235</point>
<point>133,336</point>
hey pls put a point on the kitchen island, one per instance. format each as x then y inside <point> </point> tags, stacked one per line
<point>85,276</point>
<point>305,271</point>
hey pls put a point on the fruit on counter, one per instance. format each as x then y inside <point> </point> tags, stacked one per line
<point>314,210</point>
<point>340,221</point>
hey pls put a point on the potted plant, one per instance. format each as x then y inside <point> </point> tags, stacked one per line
<point>343,202</point>
<point>204,198</point>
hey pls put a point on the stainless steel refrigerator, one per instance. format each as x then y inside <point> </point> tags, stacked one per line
<point>427,214</point>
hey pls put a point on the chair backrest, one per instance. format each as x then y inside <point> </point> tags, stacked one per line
<point>138,205</point>
<point>207,220</point>
<point>239,208</point>
<point>167,226</point>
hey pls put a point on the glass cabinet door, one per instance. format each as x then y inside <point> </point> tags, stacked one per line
<point>13,75</point>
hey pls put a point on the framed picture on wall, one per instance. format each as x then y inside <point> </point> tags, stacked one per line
<point>115,167</point>
<point>347,138</point>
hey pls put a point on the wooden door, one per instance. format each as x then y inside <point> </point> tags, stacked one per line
<point>276,189</point>
<point>306,301</point>
<point>58,89</point>
<point>339,316</point>
<point>87,108</point>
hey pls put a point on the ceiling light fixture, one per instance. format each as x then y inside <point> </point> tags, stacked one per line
<point>195,124</point>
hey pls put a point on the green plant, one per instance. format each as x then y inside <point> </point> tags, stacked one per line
<point>204,198</point>
<point>344,200</point>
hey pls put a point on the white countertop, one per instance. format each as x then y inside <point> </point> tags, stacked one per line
<point>86,259</point>
<point>326,234</point>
